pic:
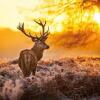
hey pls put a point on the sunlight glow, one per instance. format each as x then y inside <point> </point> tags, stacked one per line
<point>97,17</point>
<point>69,21</point>
<point>58,13</point>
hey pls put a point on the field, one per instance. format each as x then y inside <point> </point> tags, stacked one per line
<point>63,79</point>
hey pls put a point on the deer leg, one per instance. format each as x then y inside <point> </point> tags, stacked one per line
<point>26,73</point>
<point>34,70</point>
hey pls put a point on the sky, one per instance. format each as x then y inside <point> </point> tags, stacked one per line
<point>64,26</point>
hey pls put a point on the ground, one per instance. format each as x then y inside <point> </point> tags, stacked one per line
<point>63,79</point>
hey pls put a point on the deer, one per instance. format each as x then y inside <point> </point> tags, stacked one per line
<point>29,58</point>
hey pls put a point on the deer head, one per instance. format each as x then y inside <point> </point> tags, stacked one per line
<point>39,41</point>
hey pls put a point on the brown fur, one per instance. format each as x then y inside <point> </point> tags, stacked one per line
<point>27,62</point>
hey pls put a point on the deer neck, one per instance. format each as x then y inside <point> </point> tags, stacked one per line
<point>38,52</point>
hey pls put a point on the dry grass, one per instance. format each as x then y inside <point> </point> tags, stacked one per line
<point>74,78</point>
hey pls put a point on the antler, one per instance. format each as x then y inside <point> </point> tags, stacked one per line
<point>44,34</point>
<point>21,28</point>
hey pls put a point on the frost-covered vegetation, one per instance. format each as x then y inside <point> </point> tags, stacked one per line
<point>64,79</point>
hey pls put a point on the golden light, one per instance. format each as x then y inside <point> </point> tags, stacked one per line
<point>58,13</point>
<point>8,15</point>
<point>69,18</point>
<point>97,17</point>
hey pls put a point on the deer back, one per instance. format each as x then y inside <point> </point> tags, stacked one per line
<point>27,61</point>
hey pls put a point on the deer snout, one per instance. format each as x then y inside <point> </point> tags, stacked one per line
<point>47,47</point>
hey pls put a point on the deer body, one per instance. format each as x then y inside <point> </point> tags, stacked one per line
<point>27,62</point>
<point>29,58</point>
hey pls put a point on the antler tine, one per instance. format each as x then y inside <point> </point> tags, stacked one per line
<point>40,23</point>
<point>44,34</point>
<point>47,32</point>
<point>21,28</point>
<point>36,36</point>
<point>45,23</point>
<point>37,22</point>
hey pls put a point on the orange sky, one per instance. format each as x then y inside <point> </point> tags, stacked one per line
<point>59,17</point>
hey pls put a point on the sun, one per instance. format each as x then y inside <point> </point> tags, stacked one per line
<point>97,17</point>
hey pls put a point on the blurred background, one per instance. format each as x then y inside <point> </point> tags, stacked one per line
<point>74,26</point>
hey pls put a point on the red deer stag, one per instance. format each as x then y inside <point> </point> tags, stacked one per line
<point>28,58</point>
